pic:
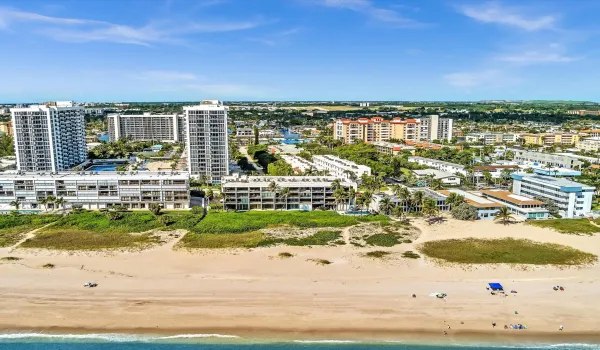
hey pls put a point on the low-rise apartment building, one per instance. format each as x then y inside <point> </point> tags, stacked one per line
<point>525,207</point>
<point>553,159</point>
<point>439,165</point>
<point>6,128</point>
<point>147,127</point>
<point>244,132</point>
<point>390,148</point>
<point>583,112</point>
<point>486,209</point>
<point>341,168</point>
<point>491,138</point>
<point>379,129</point>
<point>305,192</point>
<point>447,178</point>
<point>590,144</point>
<point>550,139</point>
<point>572,198</point>
<point>297,163</point>
<point>96,190</point>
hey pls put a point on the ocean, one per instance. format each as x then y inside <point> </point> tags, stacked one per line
<point>219,342</point>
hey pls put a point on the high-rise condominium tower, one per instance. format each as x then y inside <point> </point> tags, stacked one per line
<point>207,146</point>
<point>49,137</point>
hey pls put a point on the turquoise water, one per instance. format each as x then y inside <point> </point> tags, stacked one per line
<point>110,167</point>
<point>208,342</point>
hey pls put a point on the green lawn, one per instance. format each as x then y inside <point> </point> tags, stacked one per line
<point>504,251</point>
<point>572,226</point>
<point>14,227</point>
<point>93,230</point>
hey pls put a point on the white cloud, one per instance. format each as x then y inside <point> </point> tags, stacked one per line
<point>369,9</point>
<point>484,78</point>
<point>493,12</point>
<point>277,38</point>
<point>83,30</point>
<point>531,57</point>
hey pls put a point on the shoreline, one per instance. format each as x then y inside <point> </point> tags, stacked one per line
<point>262,335</point>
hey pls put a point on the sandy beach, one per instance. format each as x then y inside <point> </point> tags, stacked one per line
<point>256,294</point>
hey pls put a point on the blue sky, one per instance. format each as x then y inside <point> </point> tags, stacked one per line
<point>182,50</point>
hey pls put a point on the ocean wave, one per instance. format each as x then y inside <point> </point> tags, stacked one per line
<point>326,341</point>
<point>191,336</point>
<point>111,337</point>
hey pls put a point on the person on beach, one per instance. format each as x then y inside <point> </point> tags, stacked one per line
<point>445,333</point>
<point>560,328</point>
<point>493,324</point>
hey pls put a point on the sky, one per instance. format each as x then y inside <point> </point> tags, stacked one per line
<point>368,50</point>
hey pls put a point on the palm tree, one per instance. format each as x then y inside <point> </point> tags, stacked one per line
<point>436,184</point>
<point>60,201</point>
<point>209,195</point>
<point>487,176</point>
<point>398,212</point>
<point>430,208</point>
<point>504,215</point>
<point>284,194</point>
<point>340,195</point>
<point>44,202</point>
<point>16,203</point>
<point>51,199</point>
<point>273,187</point>
<point>386,206</point>
<point>336,184</point>
<point>351,195</point>
<point>417,199</point>
<point>366,199</point>
<point>454,200</point>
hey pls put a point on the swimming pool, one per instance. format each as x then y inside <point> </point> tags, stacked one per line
<point>107,167</point>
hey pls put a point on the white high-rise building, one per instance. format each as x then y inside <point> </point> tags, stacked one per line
<point>433,127</point>
<point>207,146</point>
<point>49,137</point>
<point>147,127</point>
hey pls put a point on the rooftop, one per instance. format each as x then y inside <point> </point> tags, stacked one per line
<point>553,181</point>
<point>473,199</point>
<point>437,173</point>
<point>282,181</point>
<point>511,197</point>
<point>95,175</point>
<point>436,161</point>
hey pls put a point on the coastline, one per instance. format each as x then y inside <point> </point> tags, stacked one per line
<point>257,335</point>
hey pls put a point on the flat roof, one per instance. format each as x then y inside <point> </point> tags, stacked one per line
<point>473,199</point>
<point>555,181</point>
<point>439,174</point>
<point>283,181</point>
<point>511,197</point>
<point>96,175</point>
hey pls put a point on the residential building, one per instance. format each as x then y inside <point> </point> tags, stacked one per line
<point>147,127</point>
<point>525,207</point>
<point>550,139</point>
<point>583,112</point>
<point>267,134</point>
<point>96,190</point>
<point>375,129</point>
<point>449,179</point>
<point>591,132</point>
<point>435,128</point>
<point>390,148</point>
<point>407,205</point>
<point>590,144</point>
<point>486,209</point>
<point>341,168</point>
<point>207,140</point>
<point>573,199</point>
<point>439,165</point>
<point>552,159</point>
<point>305,192</point>
<point>49,137</point>
<point>491,138</point>
<point>244,132</point>
<point>7,128</point>
<point>299,164</point>
<point>495,170</point>
<point>94,111</point>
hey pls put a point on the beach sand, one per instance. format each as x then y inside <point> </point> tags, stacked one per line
<point>256,294</point>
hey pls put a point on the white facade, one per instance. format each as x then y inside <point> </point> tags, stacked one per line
<point>439,165</point>
<point>572,198</point>
<point>433,127</point>
<point>147,127</point>
<point>341,168</point>
<point>589,144</point>
<point>299,164</point>
<point>540,158</point>
<point>207,140</point>
<point>49,137</point>
<point>491,138</point>
<point>447,178</point>
<point>96,190</point>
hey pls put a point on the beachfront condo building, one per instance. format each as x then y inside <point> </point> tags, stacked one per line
<point>305,192</point>
<point>550,139</point>
<point>572,198</point>
<point>49,137</point>
<point>147,127</point>
<point>95,190</point>
<point>544,159</point>
<point>341,168</point>
<point>435,128</point>
<point>207,140</point>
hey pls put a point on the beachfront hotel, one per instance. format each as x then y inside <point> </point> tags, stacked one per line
<point>341,168</point>
<point>95,190</point>
<point>486,208</point>
<point>207,140</point>
<point>305,192</point>
<point>49,137</point>
<point>525,207</point>
<point>572,198</point>
<point>147,127</point>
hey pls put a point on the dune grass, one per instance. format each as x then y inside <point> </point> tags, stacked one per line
<point>232,222</point>
<point>11,258</point>
<point>321,261</point>
<point>254,239</point>
<point>410,255</point>
<point>93,230</point>
<point>379,254</point>
<point>14,227</point>
<point>383,240</point>
<point>570,226</point>
<point>505,251</point>
<point>285,255</point>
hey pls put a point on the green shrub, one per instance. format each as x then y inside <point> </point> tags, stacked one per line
<point>573,226</point>
<point>377,254</point>
<point>410,255</point>
<point>506,250</point>
<point>382,240</point>
<point>285,255</point>
<point>48,266</point>
<point>14,227</point>
<point>11,258</point>
<point>321,261</point>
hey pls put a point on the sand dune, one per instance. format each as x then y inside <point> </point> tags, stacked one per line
<point>254,292</point>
